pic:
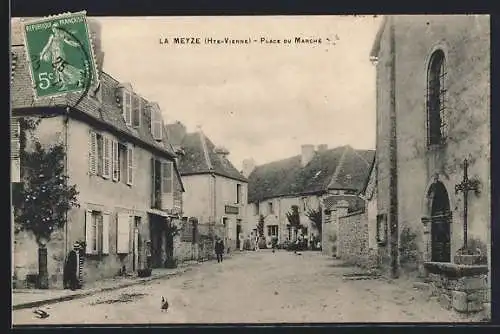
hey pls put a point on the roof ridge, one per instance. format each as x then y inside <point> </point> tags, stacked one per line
<point>205,150</point>
<point>339,165</point>
<point>361,157</point>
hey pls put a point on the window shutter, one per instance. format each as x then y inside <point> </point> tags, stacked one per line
<point>14,150</point>
<point>123,234</point>
<point>105,232</point>
<point>127,107</point>
<point>93,153</point>
<point>167,177</point>
<point>153,182</point>
<point>130,164</point>
<point>136,111</point>
<point>106,156</point>
<point>156,124</point>
<point>88,232</point>
<point>115,160</point>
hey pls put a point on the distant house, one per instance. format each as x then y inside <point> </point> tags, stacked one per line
<point>122,164</point>
<point>313,180</point>
<point>216,192</point>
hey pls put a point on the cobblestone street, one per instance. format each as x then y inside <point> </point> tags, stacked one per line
<point>254,287</point>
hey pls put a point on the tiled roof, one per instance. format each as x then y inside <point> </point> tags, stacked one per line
<point>338,168</point>
<point>199,154</point>
<point>355,203</point>
<point>107,112</point>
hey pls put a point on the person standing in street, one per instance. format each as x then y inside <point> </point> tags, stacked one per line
<point>148,254</point>
<point>71,268</point>
<point>219,249</point>
<point>241,237</point>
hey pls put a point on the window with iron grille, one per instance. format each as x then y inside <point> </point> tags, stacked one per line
<point>437,123</point>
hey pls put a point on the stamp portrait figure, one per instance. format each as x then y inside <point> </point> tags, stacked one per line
<point>53,52</point>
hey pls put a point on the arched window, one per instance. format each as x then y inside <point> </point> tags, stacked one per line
<point>437,125</point>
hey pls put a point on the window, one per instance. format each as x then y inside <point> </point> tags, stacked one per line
<point>437,125</point>
<point>270,207</point>
<point>238,193</point>
<point>115,154</point>
<point>156,124</point>
<point>127,106</point>
<point>256,208</point>
<point>97,232</point>
<point>382,229</point>
<point>156,183</point>
<point>130,164</point>
<point>136,110</point>
<point>304,204</point>
<point>272,230</point>
<point>166,177</point>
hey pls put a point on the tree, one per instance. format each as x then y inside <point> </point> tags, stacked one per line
<point>44,196</point>
<point>316,216</point>
<point>293,217</point>
<point>172,230</point>
<point>260,226</point>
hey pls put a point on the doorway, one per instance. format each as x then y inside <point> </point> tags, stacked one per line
<point>238,231</point>
<point>440,223</point>
<point>156,231</point>
<point>136,247</point>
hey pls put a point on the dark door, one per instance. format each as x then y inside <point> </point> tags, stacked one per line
<point>156,241</point>
<point>440,234</point>
<point>238,231</point>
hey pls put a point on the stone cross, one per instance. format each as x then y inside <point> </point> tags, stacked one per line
<point>465,186</point>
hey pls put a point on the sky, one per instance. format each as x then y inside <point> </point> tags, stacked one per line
<point>260,101</point>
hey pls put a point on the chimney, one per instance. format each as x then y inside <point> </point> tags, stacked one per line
<point>248,167</point>
<point>95,33</point>
<point>322,147</point>
<point>222,151</point>
<point>307,154</point>
<point>176,133</point>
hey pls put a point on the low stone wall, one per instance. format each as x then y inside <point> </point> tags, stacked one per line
<point>353,241</point>
<point>465,292</point>
<point>184,251</point>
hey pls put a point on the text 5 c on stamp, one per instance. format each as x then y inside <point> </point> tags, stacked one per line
<point>60,54</point>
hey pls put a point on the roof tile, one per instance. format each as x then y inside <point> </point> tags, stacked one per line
<point>288,178</point>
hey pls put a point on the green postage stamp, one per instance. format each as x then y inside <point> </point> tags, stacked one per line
<point>60,54</point>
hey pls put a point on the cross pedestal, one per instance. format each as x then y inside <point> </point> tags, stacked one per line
<point>465,186</point>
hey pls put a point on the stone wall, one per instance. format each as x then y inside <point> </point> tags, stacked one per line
<point>463,294</point>
<point>353,242</point>
<point>184,251</point>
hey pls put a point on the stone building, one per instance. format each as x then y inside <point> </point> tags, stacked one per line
<point>216,192</point>
<point>433,107</point>
<point>124,168</point>
<point>314,180</point>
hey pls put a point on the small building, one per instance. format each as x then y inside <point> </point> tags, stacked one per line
<point>314,181</point>
<point>216,192</point>
<point>124,168</point>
